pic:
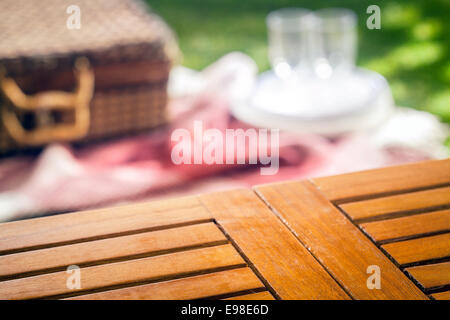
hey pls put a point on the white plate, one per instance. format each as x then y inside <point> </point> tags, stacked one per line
<point>361,100</point>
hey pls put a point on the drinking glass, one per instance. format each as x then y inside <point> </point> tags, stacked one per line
<point>333,45</point>
<point>288,37</point>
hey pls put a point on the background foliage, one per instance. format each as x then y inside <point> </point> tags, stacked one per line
<point>411,50</point>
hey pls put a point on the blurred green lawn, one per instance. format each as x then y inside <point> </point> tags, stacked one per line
<point>411,50</point>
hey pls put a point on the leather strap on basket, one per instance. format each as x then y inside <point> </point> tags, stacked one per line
<point>78,101</point>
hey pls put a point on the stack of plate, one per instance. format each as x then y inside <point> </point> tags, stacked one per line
<point>359,100</point>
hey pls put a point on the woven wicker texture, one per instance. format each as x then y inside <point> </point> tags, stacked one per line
<point>129,48</point>
<point>34,34</point>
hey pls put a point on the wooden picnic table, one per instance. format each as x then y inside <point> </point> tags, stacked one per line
<point>325,238</point>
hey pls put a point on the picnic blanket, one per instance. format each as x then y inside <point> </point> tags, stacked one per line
<point>62,179</point>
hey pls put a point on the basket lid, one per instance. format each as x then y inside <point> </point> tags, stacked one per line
<point>36,35</point>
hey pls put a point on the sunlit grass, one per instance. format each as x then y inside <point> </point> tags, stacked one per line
<point>400,15</point>
<point>409,56</point>
<point>427,30</point>
<point>439,104</point>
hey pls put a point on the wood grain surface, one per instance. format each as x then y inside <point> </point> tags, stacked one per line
<point>415,225</point>
<point>385,181</point>
<point>293,240</point>
<point>197,287</point>
<point>402,203</point>
<point>422,249</point>
<point>97,224</point>
<point>122,273</point>
<point>109,250</point>
<point>432,275</point>
<point>271,248</point>
<point>265,295</point>
<point>442,295</point>
<point>336,242</point>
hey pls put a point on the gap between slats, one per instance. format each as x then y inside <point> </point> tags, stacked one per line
<point>106,236</point>
<point>219,284</point>
<point>390,257</point>
<point>445,295</point>
<point>342,201</point>
<point>127,273</point>
<point>432,278</point>
<point>412,237</point>
<point>404,268</point>
<point>237,294</point>
<point>132,285</point>
<point>410,227</point>
<point>385,181</point>
<point>249,262</point>
<point>400,205</point>
<point>286,202</point>
<point>144,255</point>
<point>90,225</point>
<point>262,295</point>
<point>400,214</point>
<point>425,250</point>
<point>111,250</point>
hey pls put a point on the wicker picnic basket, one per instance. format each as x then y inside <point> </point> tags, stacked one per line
<point>80,73</point>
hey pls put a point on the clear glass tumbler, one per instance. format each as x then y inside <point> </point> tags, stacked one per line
<point>288,35</point>
<point>334,41</point>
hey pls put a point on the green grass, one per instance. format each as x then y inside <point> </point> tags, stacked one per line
<point>411,50</point>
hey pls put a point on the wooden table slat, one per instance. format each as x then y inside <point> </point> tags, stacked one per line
<point>385,181</point>
<point>432,275</point>
<point>202,286</point>
<point>132,271</point>
<point>442,295</point>
<point>294,240</point>
<point>106,250</point>
<point>421,249</point>
<point>79,226</point>
<point>418,224</point>
<point>264,295</point>
<point>272,249</point>
<point>412,201</point>
<point>336,242</point>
